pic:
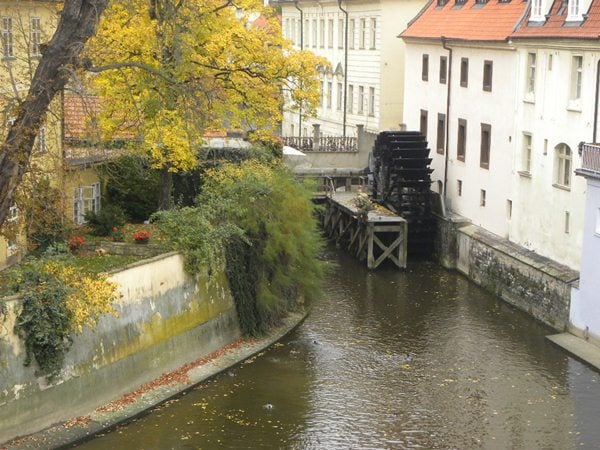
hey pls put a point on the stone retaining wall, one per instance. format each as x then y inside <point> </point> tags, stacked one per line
<point>526,280</point>
<point>166,318</point>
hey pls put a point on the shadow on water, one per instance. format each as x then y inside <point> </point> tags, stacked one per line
<point>388,359</point>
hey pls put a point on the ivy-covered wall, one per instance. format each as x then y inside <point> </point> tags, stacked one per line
<point>165,319</point>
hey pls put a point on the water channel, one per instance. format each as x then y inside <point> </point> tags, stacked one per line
<point>389,360</point>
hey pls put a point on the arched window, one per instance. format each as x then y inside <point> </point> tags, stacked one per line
<point>562,165</point>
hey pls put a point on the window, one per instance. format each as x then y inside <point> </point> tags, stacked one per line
<point>36,36</point>
<point>329,93</point>
<point>322,33</point>
<point>13,213</point>
<point>314,34</point>
<point>461,140</point>
<point>322,93</point>
<point>41,140</point>
<point>7,37</point>
<point>373,34</point>
<point>443,69</point>
<point>550,62</point>
<point>351,33</point>
<point>372,101</point>
<point>576,68</point>
<point>361,100</point>
<point>423,123</point>
<point>537,11</point>
<point>306,30</point>
<point>362,33</point>
<point>425,68</point>
<point>526,154</point>
<point>441,3</point>
<point>340,91</point>
<point>330,33</point>
<point>293,32</point>
<point>350,99</point>
<point>341,33</point>
<point>530,81</point>
<point>562,166</point>
<point>482,195</point>
<point>509,209</point>
<point>567,222</point>
<point>85,199</point>
<point>441,133</point>
<point>484,156</point>
<point>464,72</point>
<point>287,28</point>
<point>459,187</point>
<point>487,75</point>
<point>575,13</point>
<point>292,130</point>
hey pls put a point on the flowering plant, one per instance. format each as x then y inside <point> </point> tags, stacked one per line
<point>75,243</point>
<point>118,234</point>
<point>141,236</point>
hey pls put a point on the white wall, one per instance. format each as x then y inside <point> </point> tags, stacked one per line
<point>551,119</point>
<point>476,106</point>
<point>585,305</point>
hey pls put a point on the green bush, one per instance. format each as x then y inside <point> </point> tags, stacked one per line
<point>103,222</point>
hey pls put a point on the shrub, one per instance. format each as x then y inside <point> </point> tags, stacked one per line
<point>103,222</point>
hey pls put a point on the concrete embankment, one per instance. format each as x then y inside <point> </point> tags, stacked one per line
<point>166,319</point>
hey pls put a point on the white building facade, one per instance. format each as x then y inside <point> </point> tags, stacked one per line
<point>366,75</point>
<point>511,141</point>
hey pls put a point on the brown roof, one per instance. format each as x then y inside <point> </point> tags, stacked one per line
<point>556,25</point>
<point>491,21</point>
<point>80,115</point>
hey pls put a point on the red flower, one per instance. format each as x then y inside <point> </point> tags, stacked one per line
<point>141,235</point>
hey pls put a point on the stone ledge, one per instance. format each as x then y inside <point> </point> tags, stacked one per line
<point>581,349</point>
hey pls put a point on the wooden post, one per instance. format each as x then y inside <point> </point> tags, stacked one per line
<point>370,257</point>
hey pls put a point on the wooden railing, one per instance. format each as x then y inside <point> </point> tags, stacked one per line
<point>590,157</point>
<point>322,144</point>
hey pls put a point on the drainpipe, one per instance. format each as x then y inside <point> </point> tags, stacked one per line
<point>345,65</point>
<point>449,81</point>
<point>596,102</point>
<point>301,48</point>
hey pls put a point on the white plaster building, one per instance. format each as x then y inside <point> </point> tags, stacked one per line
<point>506,153</point>
<point>585,302</point>
<point>366,76</point>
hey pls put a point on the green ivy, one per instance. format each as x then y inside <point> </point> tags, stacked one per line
<point>44,322</point>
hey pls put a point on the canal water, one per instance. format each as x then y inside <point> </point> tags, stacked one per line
<point>389,360</point>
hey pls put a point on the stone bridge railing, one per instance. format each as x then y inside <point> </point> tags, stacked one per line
<point>322,143</point>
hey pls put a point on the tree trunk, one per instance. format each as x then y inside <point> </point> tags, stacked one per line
<point>166,188</point>
<point>78,22</point>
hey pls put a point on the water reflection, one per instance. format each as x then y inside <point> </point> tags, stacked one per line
<point>417,359</point>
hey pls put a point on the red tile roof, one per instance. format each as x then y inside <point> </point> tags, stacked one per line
<point>80,112</point>
<point>492,21</point>
<point>555,25</point>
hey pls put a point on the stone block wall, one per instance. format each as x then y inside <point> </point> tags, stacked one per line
<point>526,280</point>
<point>166,318</point>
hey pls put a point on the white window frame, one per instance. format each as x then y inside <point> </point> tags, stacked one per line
<point>362,33</point>
<point>321,33</point>
<point>531,73</point>
<point>350,99</point>
<point>373,33</point>
<point>340,33</point>
<point>35,36</point>
<point>330,33</point>
<point>7,37</point>
<point>526,154</point>
<point>314,33</point>
<point>329,94</point>
<point>576,76</point>
<point>574,11</point>
<point>371,101</point>
<point>351,34</point>
<point>361,100</point>
<point>538,11</point>
<point>85,198</point>
<point>562,166</point>
<point>340,91</point>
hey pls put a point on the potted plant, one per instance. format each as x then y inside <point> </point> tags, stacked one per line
<point>141,236</point>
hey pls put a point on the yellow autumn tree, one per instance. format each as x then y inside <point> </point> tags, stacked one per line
<point>167,70</point>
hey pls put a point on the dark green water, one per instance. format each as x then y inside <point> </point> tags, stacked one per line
<point>389,360</point>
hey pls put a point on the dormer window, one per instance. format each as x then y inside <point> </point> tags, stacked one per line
<point>441,3</point>
<point>574,11</point>
<point>538,11</point>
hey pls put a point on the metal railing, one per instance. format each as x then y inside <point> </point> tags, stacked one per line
<point>323,143</point>
<point>590,157</point>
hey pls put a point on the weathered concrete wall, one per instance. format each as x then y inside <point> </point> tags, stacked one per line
<point>524,279</point>
<point>165,319</point>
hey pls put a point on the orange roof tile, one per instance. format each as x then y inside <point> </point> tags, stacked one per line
<point>491,21</point>
<point>556,26</point>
